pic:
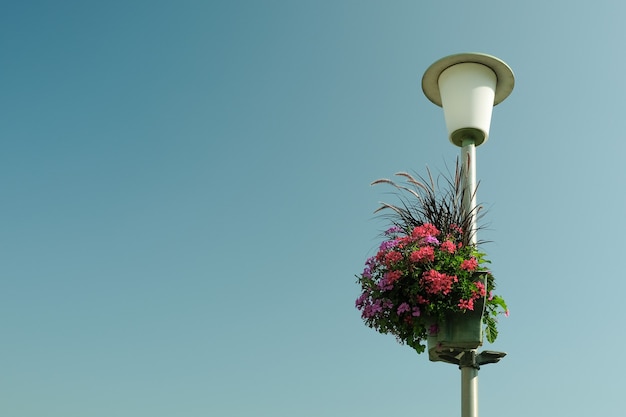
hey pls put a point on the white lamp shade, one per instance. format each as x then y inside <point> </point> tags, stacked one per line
<point>467,86</point>
<point>467,96</point>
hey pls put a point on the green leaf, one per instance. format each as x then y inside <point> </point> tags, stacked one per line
<point>491,332</point>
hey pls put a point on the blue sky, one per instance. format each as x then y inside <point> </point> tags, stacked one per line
<point>185,202</point>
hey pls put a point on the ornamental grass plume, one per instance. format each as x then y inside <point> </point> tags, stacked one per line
<point>427,266</point>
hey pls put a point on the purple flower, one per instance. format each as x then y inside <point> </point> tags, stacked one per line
<point>360,302</point>
<point>383,285</point>
<point>431,240</point>
<point>388,244</point>
<point>370,310</point>
<point>416,312</point>
<point>403,307</point>
<point>367,272</point>
<point>393,230</point>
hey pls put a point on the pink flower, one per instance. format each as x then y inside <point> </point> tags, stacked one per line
<point>448,246</point>
<point>393,276</point>
<point>431,240</point>
<point>427,253</point>
<point>393,257</point>
<point>403,241</point>
<point>437,283</point>
<point>466,304</point>
<point>469,264</point>
<point>480,289</point>
<point>425,230</point>
<point>386,283</point>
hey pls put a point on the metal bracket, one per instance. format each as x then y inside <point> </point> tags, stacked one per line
<point>489,356</point>
<point>472,360</point>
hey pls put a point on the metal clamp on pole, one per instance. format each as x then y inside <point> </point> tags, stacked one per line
<point>489,356</point>
<point>468,360</point>
<point>472,360</point>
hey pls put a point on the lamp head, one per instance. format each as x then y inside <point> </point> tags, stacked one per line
<point>467,86</point>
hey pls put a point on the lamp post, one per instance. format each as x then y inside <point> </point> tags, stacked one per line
<point>467,86</point>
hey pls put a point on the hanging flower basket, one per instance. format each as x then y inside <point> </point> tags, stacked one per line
<point>428,282</point>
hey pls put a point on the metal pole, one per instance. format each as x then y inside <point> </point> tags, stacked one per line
<point>468,366</point>
<point>469,384</point>
<point>468,159</point>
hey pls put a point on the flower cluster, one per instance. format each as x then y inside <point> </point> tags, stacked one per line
<point>421,274</point>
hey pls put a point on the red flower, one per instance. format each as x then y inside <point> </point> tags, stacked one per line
<point>403,241</point>
<point>424,230</point>
<point>422,300</point>
<point>448,246</point>
<point>392,276</point>
<point>466,304</point>
<point>427,253</point>
<point>392,257</point>
<point>469,264</point>
<point>437,283</point>
<point>481,292</point>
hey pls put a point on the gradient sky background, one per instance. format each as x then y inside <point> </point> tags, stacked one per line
<point>185,202</point>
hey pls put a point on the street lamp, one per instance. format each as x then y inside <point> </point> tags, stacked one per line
<point>467,86</point>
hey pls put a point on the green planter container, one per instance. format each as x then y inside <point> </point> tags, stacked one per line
<point>459,332</point>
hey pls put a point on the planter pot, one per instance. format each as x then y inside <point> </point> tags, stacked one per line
<point>459,332</point>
